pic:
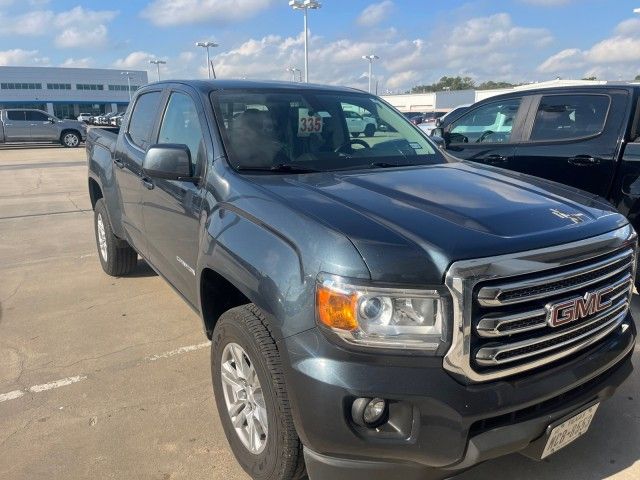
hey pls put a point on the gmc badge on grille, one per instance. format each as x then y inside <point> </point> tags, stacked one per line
<point>578,308</point>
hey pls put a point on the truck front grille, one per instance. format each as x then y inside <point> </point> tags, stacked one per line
<point>510,320</point>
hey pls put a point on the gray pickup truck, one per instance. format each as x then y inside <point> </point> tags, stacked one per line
<point>28,125</point>
<point>377,308</point>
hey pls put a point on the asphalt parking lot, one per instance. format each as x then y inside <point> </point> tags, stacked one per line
<point>109,378</point>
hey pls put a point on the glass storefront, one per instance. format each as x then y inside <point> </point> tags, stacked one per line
<point>64,111</point>
<point>37,106</point>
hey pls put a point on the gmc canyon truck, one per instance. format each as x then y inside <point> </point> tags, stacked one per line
<point>586,137</point>
<point>26,125</point>
<point>377,308</point>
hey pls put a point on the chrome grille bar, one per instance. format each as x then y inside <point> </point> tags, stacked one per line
<point>493,296</point>
<point>490,356</point>
<point>492,325</point>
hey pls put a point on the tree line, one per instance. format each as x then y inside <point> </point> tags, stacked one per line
<point>468,83</point>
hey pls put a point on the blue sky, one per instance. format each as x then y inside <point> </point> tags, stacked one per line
<point>418,40</point>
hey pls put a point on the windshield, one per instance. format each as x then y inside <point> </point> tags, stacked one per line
<point>307,130</point>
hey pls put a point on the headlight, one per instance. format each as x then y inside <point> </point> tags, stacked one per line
<point>381,317</point>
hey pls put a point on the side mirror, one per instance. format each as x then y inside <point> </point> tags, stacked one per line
<point>51,120</point>
<point>438,122</point>
<point>439,141</point>
<point>438,131</point>
<point>168,160</point>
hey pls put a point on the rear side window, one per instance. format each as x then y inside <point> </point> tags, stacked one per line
<point>489,123</point>
<point>566,117</point>
<point>143,118</point>
<point>37,116</point>
<point>15,115</point>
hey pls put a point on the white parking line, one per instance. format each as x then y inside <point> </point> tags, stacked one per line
<point>63,382</point>
<point>178,351</point>
<point>11,395</point>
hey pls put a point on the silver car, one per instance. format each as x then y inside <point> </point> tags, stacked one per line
<point>28,125</point>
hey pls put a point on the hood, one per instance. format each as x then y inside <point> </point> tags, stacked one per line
<point>410,224</point>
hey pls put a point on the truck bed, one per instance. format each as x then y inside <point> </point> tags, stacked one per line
<point>106,137</point>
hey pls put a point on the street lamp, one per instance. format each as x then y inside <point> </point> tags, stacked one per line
<point>207,45</point>
<point>370,58</point>
<point>305,5</point>
<point>128,74</point>
<point>293,71</point>
<point>157,63</point>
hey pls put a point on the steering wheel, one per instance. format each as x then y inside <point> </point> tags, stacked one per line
<point>484,135</point>
<point>350,142</point>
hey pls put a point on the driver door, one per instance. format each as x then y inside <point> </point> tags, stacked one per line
<point>488,133</point>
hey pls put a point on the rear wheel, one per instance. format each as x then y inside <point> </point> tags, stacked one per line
<point>370,130</point>
<point>116,256</point>
<point>70,139</point>
<point>251,396</point>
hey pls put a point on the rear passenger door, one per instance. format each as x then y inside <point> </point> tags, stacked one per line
<point>132,147</point>
<point>41,128</point>
<point>573,138</point>
<point>171,208</point>
<point>488,133</point>
<point>16,126</point>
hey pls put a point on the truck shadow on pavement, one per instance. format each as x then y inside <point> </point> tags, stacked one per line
<point>610,448</point>
<point>32,146</point>
<point>142,270</point>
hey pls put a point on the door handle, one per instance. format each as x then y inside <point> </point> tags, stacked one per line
<point>119,163</point>
<point>147,182</point>
<point>583,161</point>
<point>495,159</point>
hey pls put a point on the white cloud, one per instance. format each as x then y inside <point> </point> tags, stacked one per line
<point>86,62</point>
<point>613,58</point>
<point>18,56</point>
<point>180,12</point>
<point>375,13</point>
<point>77,37</point>
<point>135,61</point>
<point>78,27</point>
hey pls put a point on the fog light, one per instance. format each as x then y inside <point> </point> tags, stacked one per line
<point>370,413</point>
<point>374,411</point>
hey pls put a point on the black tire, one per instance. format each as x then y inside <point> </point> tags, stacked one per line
<point>117,258</point>
<point>355,134</point>
<point>370,130</point>
<point>70,139</point>
<point>281,458</point>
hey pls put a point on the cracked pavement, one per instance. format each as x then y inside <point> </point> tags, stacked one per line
<point>145,409</point>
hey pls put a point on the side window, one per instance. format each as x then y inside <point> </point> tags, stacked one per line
<point>143,118</point>
<point>490,123</point>
<point>15,115</point>
<point>563,117</point>
<point>37,116</point>
<point>181,125</point>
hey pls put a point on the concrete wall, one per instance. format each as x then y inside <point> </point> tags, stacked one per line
<point>425,102</point>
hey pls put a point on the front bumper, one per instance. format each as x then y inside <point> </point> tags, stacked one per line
<point>440,426</point>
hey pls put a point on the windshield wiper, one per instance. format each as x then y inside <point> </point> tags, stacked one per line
<point>281,167</point>
<point>391,165</point>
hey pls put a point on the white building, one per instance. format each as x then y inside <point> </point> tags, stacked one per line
<point>66,92</point>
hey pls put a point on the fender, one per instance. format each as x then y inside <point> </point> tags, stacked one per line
<point>269,266</point>
<point>101,170</point>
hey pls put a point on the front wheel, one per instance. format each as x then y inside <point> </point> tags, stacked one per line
<point>251,396</point>
<point>70,139</point>
<point>370,130</point>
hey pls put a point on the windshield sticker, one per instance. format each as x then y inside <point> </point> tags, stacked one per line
<point>415,145</point>
<point>308,124</point>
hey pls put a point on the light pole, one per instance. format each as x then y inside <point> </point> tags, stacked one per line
<point>207,45</point>
<point>293,71</point>
<point>305,5</point>
<point>157,63</point>
<point>128,74</point>
<point>370,58</point>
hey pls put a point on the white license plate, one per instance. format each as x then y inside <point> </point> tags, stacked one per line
<point>565,433</point>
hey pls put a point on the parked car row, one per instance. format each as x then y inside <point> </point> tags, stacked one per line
<point>111,118</point>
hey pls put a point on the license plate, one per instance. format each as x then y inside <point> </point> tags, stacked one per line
<point>569,430</point>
